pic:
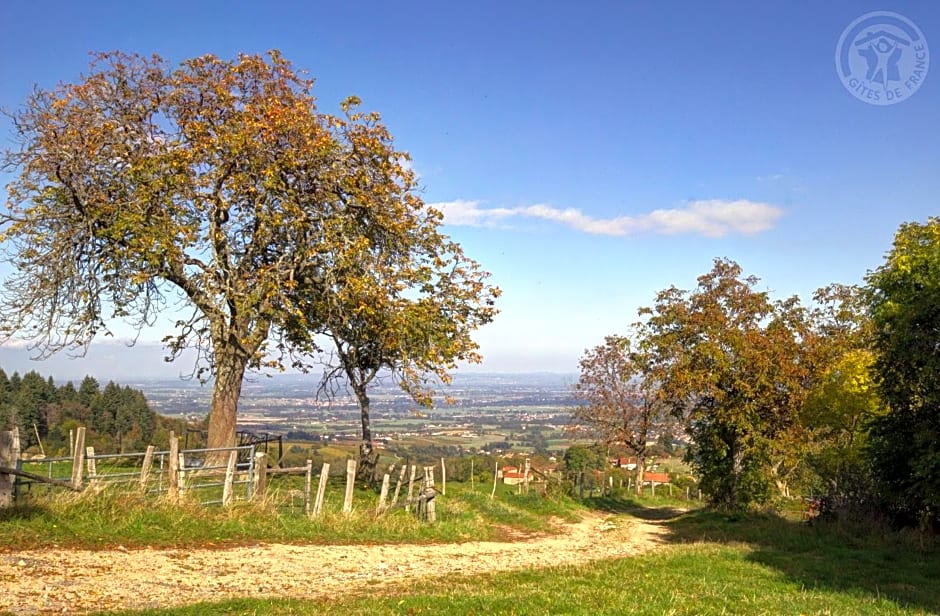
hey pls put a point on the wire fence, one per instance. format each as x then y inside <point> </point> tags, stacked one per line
<point>200,472</point>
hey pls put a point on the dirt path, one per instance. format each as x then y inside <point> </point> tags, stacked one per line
<point>68,581</point>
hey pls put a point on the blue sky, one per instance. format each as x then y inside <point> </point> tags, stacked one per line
<point>588,156</point>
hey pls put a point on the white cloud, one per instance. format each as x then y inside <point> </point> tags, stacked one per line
<point>469,213</point>
<point>712,218</point>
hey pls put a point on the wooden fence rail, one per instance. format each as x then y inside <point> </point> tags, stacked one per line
<point>177,472</point>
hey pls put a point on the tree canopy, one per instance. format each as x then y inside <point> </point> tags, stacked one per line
<point>728,360</point>
<point>619,405</point>
<point>905,310</point>
<point>215,187</point>
<point>404,305</point>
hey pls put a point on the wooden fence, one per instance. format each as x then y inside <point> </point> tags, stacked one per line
<point>210,476</point>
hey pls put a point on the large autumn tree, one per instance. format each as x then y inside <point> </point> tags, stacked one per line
<point>730,361</point>
<point>214,187</point>
<point>402,305</point>
<point>905,310</point>
<point>619,404</point>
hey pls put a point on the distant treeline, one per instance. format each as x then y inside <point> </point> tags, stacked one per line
<point>116,418</point>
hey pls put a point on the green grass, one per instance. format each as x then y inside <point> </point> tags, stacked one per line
<point>115,517</point>
<point>712,564</point>
<point>694,579</point>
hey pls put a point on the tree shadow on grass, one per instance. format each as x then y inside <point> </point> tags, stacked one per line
<point>635,508</point>
<point>904,568</point>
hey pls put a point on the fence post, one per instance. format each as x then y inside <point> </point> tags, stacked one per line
<point>350,484</point>
<point>9,454</point>
<point>383,496</point>
<point>528,470</point>
<point>78,459</point>
<point>227,491</point>
<point>411,484</point>
<point>443,478</point>
<point>429,506</point>
<point>173,469</point>
<point>401,478</point>
<point>495,475</point>
<point>92,466</point>
<point>145,468</point>
<point>307,479</point>
<point>261,475</point>
<point>321,489</point>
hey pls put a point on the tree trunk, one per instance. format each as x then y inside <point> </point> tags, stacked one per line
<point>368,457</point>
<point>640,469</point>
<point>737,469</point>
<point>230,370</point>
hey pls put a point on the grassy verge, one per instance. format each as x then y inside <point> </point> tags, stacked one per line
<point>113,518</point>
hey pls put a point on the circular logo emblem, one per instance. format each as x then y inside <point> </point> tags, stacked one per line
<point>882,58</point>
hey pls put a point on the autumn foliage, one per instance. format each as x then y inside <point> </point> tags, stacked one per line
<point>216,188</point>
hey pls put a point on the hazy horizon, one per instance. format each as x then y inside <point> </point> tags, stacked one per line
<point>114,360</point>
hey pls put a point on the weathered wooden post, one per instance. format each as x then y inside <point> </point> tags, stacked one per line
<point>92,466</point>
<point>430,510</point>
<point>9,454</point>
<point>321,489</point>
<point>495,475</point>
<point>528,468</point>
<point>350,484</point>
<point>401,478</point>
<point>228,492</point>
<point>307,479</point>
<point>443,478</point>
<point>173,469</point>
<point>411,485</point>
<point>261,476</point>
<point>383,495</point>
<point>78,458</point>
<point>145,468</point>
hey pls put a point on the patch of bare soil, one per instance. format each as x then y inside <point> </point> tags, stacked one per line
<point>77,581</point>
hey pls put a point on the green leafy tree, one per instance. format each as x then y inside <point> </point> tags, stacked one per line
<point>905,310</point>
<point>618,405</point>
<point>216,185</point>
<point>843,398</point>
<point>585,458</point>
<point>730,362</point>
